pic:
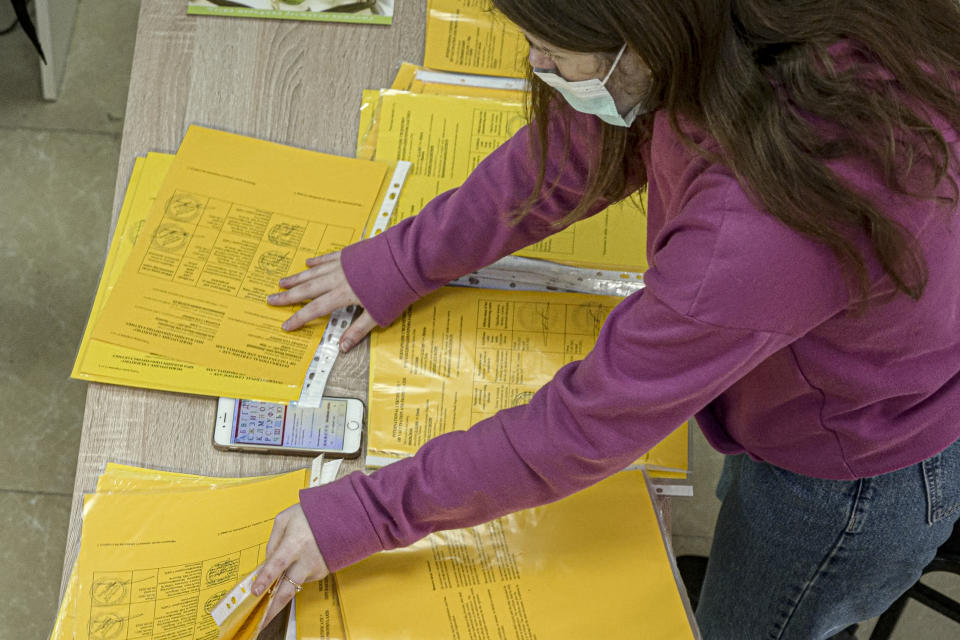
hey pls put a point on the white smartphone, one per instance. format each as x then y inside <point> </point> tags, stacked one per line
<point>335,428</point>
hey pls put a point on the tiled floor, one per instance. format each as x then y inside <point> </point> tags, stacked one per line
<point>57,179</point>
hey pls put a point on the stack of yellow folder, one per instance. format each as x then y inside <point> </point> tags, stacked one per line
<point>446,134</point>
<point>159,550</point>
<point>203,237</point>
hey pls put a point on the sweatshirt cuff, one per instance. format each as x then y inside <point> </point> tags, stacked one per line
<point>340,524</point>
<point>373,275</point>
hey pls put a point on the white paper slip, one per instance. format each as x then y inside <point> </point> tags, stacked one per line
<point>528,274</point>
<point>234,598</point>
<point>471,80</point>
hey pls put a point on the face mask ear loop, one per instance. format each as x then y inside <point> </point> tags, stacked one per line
<point>614,65</point>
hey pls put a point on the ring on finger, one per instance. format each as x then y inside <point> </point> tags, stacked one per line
<point>296,585</point>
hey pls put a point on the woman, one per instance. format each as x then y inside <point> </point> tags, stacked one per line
<point>801,165</point>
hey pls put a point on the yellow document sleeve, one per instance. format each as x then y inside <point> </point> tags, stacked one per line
<point>233,216</point>
<point>593,565</point>
<point>318,612</point>
<point>460,355</point>
<point>466,36</point>
<point>446,137</point>
<point>99,361</point>
<point>153,564</point>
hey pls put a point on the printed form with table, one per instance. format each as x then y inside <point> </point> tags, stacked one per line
<point>202,238</point>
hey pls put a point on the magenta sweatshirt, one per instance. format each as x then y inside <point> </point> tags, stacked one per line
<point>743,322</point>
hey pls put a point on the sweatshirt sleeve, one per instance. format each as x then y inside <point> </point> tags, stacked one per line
<point>651,369</point>
<point>730,287</point>
<point>468,228</point>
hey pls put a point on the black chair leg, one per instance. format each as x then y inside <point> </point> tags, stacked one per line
<point>886,622</point>
<point>944,605</point>
<point>692,570</point>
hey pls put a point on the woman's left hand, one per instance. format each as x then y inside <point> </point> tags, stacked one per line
<point>291,552</point>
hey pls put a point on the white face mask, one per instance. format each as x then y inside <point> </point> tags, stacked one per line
<point>591,96</point>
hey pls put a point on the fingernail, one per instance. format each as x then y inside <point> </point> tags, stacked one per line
<point>345,345</point>
<point>285,326</point>
<point>271,297</point>
<point>257,590</point>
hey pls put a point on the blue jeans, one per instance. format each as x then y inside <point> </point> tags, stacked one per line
<point>797,558</point>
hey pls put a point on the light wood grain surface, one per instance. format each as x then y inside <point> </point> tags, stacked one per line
<point>296,83</point>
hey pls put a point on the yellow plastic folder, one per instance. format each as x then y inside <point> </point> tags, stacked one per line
<point>318,612</point>
<point>593,565</point>
<point>99,361</point>
<point>117,478</point>
<point>160,552</point>
<point>468,37</point>
<point>408,80</point>
<point>460,355</point>
<point>233,216</point>
<point>446,137</point>
<point>613,239</point>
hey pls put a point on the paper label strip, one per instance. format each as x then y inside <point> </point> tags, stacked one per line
<point>390,201</point>
<point>232,600</point>
<point>527,274</point>
<point>326,354</point>
<point>513,272</point>
<point>471,80</point>
<point>682,490</point>
<point>315,380</point>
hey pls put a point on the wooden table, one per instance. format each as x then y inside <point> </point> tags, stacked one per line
<point>297,83</point>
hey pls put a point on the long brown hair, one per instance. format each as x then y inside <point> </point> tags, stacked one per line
<point>757,76</point>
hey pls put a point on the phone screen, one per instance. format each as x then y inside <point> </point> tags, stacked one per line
<point>269,423</point>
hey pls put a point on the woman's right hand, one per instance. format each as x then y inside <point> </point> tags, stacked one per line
<point>324,287</point>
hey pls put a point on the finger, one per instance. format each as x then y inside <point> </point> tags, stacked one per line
<point>310,274</point>
<point>320,269</point>
<point>328,257</point>
<point>304,291</point>
<point>357,331</point>
<point>276,534</point>
<point>322,306</point>
<point>275,565</point>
